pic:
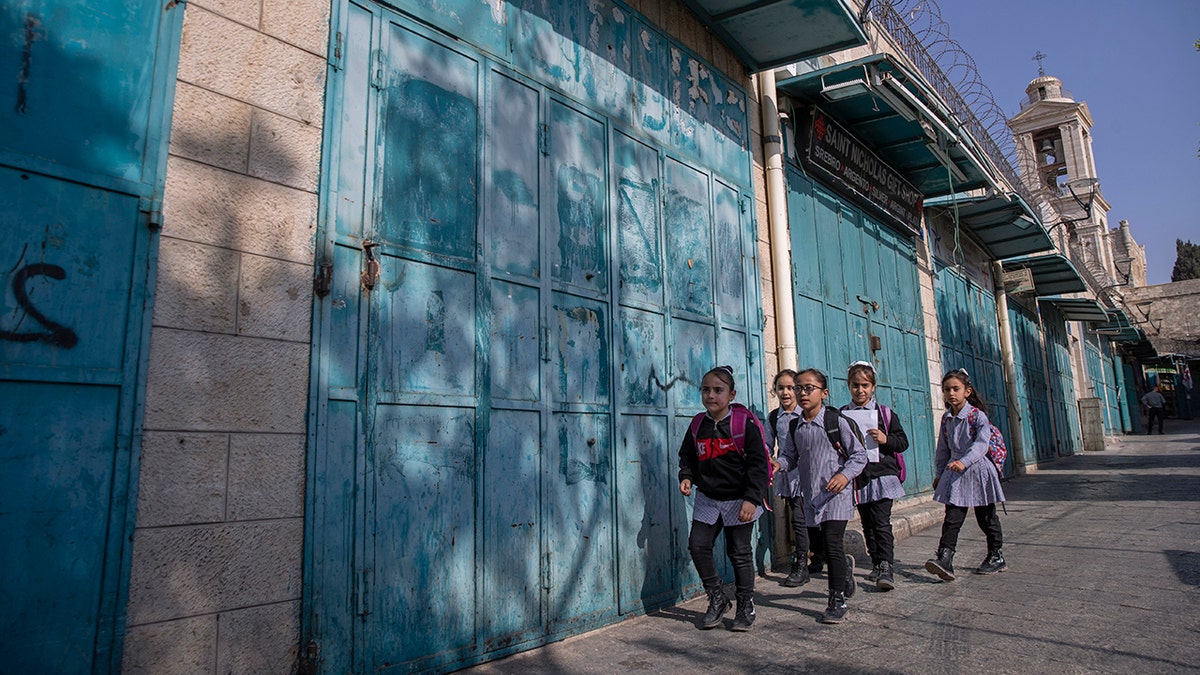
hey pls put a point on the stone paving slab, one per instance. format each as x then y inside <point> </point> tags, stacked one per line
<point>1104,577</point>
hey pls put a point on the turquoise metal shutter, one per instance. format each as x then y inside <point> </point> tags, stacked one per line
<point>81,160</point>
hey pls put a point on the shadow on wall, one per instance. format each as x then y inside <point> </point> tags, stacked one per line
<point>219,541</point>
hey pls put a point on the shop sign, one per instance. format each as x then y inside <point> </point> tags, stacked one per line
<point>856,171</point>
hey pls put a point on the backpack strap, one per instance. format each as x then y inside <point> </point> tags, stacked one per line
<point>773,419</point>
<point>694,427</point>
<point>834,431</point>
<point>885,416</point>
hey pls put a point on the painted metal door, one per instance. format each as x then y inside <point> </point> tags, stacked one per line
<point>1033,382</point>
<point>971,339</point>
<point>84,122</point>
<point>855,287</point>
<point>1064,402</point>
<point>496,413</point>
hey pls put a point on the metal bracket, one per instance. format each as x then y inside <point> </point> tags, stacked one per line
<point>370,275</point>
<point>323,279</point>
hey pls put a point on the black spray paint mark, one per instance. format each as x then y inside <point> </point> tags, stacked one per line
<point>55,334</point>
<point>32,24</point>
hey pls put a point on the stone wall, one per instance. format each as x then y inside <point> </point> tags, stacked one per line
<point>215,584</point>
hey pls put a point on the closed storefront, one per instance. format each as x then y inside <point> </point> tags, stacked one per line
<point>533,257</point>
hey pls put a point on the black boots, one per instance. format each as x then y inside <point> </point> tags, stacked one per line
<point>993,563</point>
<point>883,576</point>
<point>718,604</point>
<point>816,564</point>
<point>942,565</point>
<point>835,611</point>
<point>745,612</point>
<point>798,576</point>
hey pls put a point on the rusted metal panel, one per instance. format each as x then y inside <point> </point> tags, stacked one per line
<point>637,214</point>
<point>508,567</point>
<point>577,206</point>
<point>645,480</point>
<point>644,381</point>
<point>579,519</point>
<point>510,192</point>
<point>689,240</point>
<point>428,181</point>
<point>423,554</point>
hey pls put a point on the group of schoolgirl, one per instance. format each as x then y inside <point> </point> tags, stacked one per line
<point>725,460</point>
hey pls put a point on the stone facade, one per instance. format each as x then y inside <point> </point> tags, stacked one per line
<point>218,548</point>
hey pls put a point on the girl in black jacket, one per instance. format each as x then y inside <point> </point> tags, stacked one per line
<point>879,483</point>
<point>729,478</point>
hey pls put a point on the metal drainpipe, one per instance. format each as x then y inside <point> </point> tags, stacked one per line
<point>777,220</point>
<point>781,265</point>
<point>1016,430</point>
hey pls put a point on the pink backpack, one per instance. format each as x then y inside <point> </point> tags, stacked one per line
<point>737,426</point>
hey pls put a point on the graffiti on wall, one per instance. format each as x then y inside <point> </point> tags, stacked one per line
<point>52,333</point>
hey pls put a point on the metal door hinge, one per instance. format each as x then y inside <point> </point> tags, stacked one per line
<point>311,660</point>
<point>335,58</point>
<point>153,210</point>
<point>544,139</point>
<point>323,280</point>
<point>377,69</point>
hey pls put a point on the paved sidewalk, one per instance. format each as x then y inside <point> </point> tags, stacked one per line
<point>1104,576</point>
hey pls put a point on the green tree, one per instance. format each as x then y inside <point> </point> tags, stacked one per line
<point>1187,261</point>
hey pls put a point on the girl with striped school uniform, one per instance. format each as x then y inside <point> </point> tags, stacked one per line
<point>883,484</point>
<point>825,475</point>
<point>964,476</point>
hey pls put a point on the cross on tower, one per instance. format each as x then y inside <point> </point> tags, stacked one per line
<point>1039,57</point>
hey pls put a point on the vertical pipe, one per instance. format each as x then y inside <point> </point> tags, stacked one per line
<point>781,264</point>
<point>1015,428</point>
<point>777,220</point>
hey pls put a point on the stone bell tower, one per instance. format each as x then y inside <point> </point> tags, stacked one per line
<point>1054,151</point>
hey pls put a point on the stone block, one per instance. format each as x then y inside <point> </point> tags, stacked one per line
<point>242,11</point>
<point>179,647</point>
<point>275,299</point>
<point>206,382</point>
<point>243,64</point>
<point>266,476</point>
<point>212,206</point>
<point>197,287</point>
<point>182,479</point>
<point>187,571</point>
<point>283,150</point>
<point>210,128</point>
<point>304,23</point>
<point>262,639</point>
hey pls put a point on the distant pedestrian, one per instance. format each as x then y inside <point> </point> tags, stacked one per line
<point>1156,407</point>
<point>826,470</point>
<point>880,480</point>
<point>965,477</point>
<point>779,421</point>
<point>729,477</point>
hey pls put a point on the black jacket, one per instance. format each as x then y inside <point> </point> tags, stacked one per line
<point>728,473</point>
<point>897,442</point>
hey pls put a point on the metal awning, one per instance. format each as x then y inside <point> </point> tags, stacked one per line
<point>1118,328</point>
<point>1053,274</point>
<point>770,33</point>
<point>1078,309</point>
<point>898,116</point>
<point>1006,227</point>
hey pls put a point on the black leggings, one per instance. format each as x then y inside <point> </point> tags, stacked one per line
<point>877,530</point>
<point>828,541</point>
<point>737,546</point>
<point>985,516</point>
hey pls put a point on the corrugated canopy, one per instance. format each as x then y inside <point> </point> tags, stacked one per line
<point>1006,227</point>
<point>1052,274</point>
<point>892,111</point>
<point>1078,309</point>
<point>1117,327</point>
<point>766,33</point>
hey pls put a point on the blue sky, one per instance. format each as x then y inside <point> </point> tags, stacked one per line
<point>1135,65</point>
